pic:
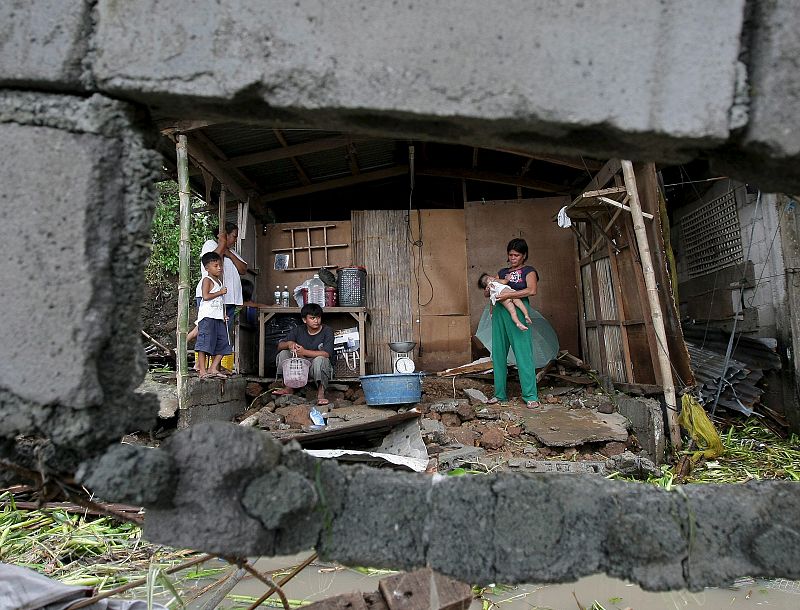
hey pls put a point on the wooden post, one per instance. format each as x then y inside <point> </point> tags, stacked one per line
<point>183,267</point>
<point>653,301</point>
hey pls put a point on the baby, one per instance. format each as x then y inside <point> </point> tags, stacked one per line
<point>495,286</point>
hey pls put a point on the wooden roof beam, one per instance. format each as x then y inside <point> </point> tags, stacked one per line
<point>363,177</point>
<point>301,173</point>
<point>576,163</point>
<point>295,150</point>
<point>203,157</point>
<point>168,128</point>
<point>497,178</point>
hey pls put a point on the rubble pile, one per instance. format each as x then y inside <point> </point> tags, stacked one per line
<point>576,429</point>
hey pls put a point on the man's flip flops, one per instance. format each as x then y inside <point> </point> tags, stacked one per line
<point>281,392</point>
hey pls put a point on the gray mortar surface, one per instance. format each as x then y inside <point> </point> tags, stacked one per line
<point>43,43</point>
<point>80,246</point>
<point>238,492</point>
<point>487,65</point>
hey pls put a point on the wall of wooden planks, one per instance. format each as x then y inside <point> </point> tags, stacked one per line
<point>440,288</point>
<point>381,243</point>
<point>277,236</point>
<point>491,225</point>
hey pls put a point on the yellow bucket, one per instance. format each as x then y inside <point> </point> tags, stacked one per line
<point>227,361</point>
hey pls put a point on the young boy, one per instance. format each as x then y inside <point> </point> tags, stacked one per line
<point>494,286</point>
<point>212,331</point>
<point>313,341</point>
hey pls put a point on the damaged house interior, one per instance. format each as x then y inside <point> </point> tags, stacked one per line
<point>408,226</point>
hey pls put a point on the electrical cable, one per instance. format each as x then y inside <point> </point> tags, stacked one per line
<point>417,254</point>
<point>736,318</point>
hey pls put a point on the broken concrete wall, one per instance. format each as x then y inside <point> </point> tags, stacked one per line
<point>680,79</point>
<point>79,172</point>
<point>272,500</point>
<point>212,400</point>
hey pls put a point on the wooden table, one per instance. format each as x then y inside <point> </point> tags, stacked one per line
<point>360,314</point>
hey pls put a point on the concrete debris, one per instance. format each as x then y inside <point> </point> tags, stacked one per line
<point>492,438</point>
<point>557,427</point>
<point>475,396</point>
<point>630,465</point>
<point>460,456</point>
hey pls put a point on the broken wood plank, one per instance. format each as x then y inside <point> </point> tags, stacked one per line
<point>346,601</point>
<point>609,191</point>
<point>639,389</point>
<point>424,590</point>
<point>565,356</point>
<point>545,369</point>
<point>621,206</point>
<point>158,344</point>
<point>478,366</point>
<point>580,380</point>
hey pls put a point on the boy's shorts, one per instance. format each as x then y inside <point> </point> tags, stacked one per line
<point>212,337</point>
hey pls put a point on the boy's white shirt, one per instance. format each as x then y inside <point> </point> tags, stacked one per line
<point>230,275</point>
<point>214,308</point>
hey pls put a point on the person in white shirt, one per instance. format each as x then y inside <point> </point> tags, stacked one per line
<point>212,339</point>
<point>233,267</point>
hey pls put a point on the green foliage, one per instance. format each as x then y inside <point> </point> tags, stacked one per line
<point>165,236</point>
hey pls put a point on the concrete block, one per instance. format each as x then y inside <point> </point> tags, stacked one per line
<point>131,474</point>
<point>775,78</point>
<point>647,422</point>
<point>82,168</point>
<point>460,528</point>
<point>380,501</point>
<point>542,531</point>
<point>44,43</point>
<point>215,463</point>
<point>667,74</point>
<point>762,540</point>
<point>213,400</point>
<point>660,521</point>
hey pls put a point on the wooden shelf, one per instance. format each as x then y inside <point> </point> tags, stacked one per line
<point>309,248</point>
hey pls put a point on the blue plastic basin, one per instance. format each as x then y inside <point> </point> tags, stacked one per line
<point>392,389</point>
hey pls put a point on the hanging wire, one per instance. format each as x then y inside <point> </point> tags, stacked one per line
<point>736,318</point>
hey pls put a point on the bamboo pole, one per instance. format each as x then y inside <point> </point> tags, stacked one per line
<point>183,268</point>
<point>654,303</point>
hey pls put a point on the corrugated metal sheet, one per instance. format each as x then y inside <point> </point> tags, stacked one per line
<point>234,139</point>
<point>273,176</point>
<point>755,353</point>
<point>376,153</point>
<point>739,391</point>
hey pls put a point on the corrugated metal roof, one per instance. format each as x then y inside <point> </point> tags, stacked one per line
<point>754,352</point>
<point>375,154</point>
<point>326,164</point>
<point>739,391</point>
<point>235,139</point>
<point>273,176</point>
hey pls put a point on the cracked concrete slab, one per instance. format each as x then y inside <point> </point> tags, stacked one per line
<point>556,426</point>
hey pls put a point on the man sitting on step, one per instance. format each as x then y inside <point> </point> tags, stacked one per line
<point>314,342</point>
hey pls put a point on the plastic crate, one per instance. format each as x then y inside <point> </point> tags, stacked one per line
<point>351,286</point>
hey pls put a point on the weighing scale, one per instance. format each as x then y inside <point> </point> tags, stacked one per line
<point>401,361</point>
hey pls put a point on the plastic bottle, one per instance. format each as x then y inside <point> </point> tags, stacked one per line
<point>316,291</point>
<point>285,297</point>
<point>277,296</point>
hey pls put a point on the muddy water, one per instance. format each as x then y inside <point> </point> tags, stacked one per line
<point>319,581</point>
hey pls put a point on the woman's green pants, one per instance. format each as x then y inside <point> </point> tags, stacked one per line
<point>505,334</point>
